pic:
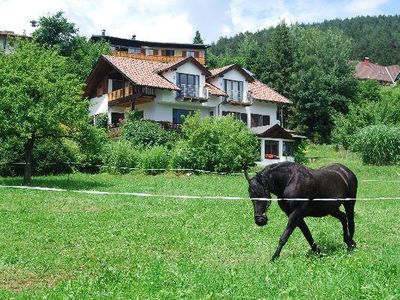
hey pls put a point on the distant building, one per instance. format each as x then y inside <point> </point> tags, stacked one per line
<point>5,40</point>
<point>153,51</point>
<point>384,74</point>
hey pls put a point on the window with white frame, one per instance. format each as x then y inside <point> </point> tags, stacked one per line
<point>149,51</point>
<point>234,89</point>
<point>189,84</point>
<point>189,53</point>
<point>134,50</point>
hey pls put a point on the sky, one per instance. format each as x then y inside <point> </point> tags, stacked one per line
<point>178,20</point>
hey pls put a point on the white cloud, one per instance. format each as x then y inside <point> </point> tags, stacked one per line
<point>148,19</point>
<point>363,7</point>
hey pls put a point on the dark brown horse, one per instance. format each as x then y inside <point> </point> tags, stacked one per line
<point>289,180</point>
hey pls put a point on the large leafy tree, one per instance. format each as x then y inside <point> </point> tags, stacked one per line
<point>55,30</point>
<point>40,98</point>
<point>323,82</point>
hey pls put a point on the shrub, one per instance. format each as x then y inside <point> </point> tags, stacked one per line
<point>120,156</point>
<point>11,152</point>
<point>300,152</point>
<point>102,121</point>
<point>378,144</point>
<point>155,158</point>
<point>52,157</point>
<point>91,143</point>
<point>219,144</point>
<point>146,134</point>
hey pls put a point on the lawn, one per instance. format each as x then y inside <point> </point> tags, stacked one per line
<point>69,245</point>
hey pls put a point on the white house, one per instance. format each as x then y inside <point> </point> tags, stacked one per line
<point>165,92</point>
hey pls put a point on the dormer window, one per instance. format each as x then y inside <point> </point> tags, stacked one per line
<point>169,52</point>
<point>234,89</point>
<point>189,84</point>
<point>134,50</point>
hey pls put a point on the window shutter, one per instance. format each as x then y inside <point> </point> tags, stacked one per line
<point>143,51</point>
<point>183,53</point>
<point>196,54</point>
<point>155,52</point>
<point>163,52</point>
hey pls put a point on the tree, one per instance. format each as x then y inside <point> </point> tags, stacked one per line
<point>55,30</point>
<point>39,98</point>
<point>323,81</point>
<point>279,60</point>
<point>197,38</point>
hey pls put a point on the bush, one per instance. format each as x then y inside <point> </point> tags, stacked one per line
<point>155,158</point>
<point>120,156</point>
<point>11,152</point>
<point>91,143</point>
<point>146,134</point>
<point>52,156</point>
<point>102,121</point>
<point>300,152</point>
<point>219,144</point>
<point>378,144</point>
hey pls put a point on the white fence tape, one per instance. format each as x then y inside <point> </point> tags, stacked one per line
<point>136,194</point>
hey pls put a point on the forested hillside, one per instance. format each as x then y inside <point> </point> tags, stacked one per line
<point>377,37</point>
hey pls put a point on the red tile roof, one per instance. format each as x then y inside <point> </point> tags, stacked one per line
<point>224,69</point>
<point>141,72</point>
<point>213,90</point>
<point>260,91</point>
<point>179,62</point>
<point>218,71</point>
<point>369,70</point>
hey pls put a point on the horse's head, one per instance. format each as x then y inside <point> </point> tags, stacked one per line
<point>259,193</point>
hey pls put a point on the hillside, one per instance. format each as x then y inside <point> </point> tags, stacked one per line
<point>377,37</point>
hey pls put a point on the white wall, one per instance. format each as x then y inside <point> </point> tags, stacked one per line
<point>98,105</point>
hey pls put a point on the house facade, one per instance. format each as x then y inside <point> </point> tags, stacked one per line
<point>166,92</point>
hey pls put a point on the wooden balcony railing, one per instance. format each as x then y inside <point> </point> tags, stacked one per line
<point>158,58</point>
<point>129,91</point>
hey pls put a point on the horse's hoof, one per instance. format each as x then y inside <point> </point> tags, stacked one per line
<point>274,258</point>
<point>352,246</point>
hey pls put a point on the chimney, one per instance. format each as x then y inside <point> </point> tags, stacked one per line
<point>366,60</point>
<point>103,32</point>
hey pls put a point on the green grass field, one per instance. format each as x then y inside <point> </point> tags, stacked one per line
<point>69,245</point>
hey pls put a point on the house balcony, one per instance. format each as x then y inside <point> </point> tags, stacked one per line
<point>157,58</point>
<point>124,96</point>
<point>193,93</point>
<point>236,97</point>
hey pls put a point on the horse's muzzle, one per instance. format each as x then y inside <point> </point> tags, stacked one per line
<point>261,220</point>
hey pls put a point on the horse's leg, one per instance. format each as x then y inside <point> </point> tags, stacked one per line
<point>307,234</point>
<point>349,207</point>
<point>294,218</point>
<point>343,219</point>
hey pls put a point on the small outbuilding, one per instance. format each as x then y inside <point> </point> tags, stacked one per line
<point>277,144</point>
